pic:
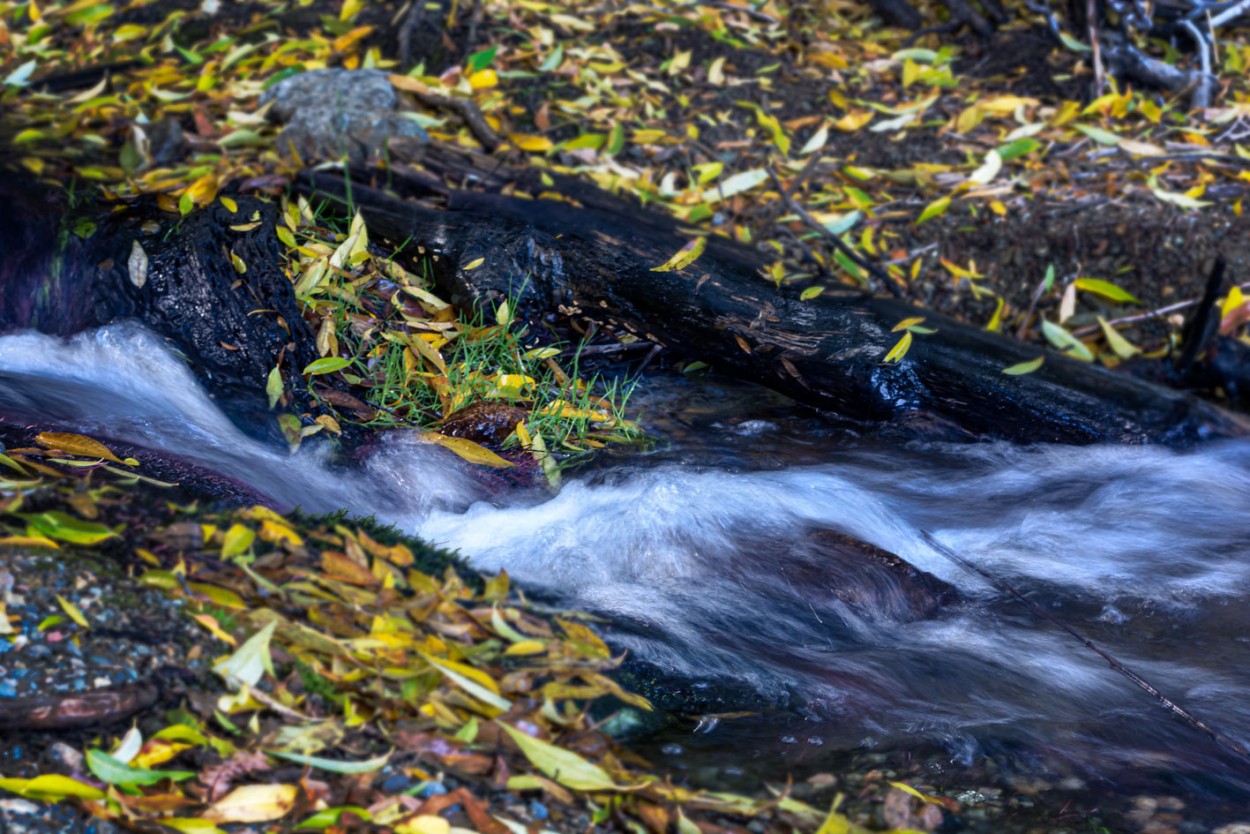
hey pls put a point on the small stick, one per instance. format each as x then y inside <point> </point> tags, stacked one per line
<point>1004,587</point>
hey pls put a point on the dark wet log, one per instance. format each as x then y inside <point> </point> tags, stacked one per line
<point>77,710</point>
<point>595,260</point>
<point>211,282</point>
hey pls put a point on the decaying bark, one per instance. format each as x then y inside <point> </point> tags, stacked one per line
<point>594,257</point>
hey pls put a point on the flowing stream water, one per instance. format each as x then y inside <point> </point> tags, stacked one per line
<point>722,561</point>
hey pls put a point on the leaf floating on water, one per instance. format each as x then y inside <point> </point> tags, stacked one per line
<point>1022,368</point>
<point>137,265</point>
<point>685,256</point>
<point>564,766</point>
<point>76,444</point>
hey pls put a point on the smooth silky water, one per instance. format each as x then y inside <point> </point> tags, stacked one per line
<point>711,561</point>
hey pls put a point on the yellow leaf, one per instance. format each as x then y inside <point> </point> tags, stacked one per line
<point>476,683</point>
<point>202,191</point>
<point>1025,367</point>
<point>51,786</point>
<point>214,628</point>
<point>484,80</point>
<point>530,142</point>
<point>74,612</point>
<point>685,256</point>
<point>424,824</point>
<point>473,264</point>
<point>900,349</point>
<point>1231,302</point>
<point>253,803</point>
<point>526,647</point>
<point>238,539</point>
<point>935,209</point>
<point>1006,105</point>
<point>853,120</point>
<point>76,444</point>
<point>230,204</point>
<point>906,323</point>
<point>467,449</point>
<point>191,825</point>
<point>343,43</point>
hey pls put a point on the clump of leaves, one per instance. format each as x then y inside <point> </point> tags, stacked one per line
<point>410,358</point>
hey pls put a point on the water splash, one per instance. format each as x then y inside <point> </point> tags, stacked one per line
<point>725,556</point>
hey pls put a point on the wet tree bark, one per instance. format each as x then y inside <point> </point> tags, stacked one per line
<point>594,257</point>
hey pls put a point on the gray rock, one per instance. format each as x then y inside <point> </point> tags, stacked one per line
<point>333,113</point>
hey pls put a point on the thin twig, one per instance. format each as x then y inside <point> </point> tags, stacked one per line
<point>1004,587</point>
<point>467,111</point>
<point>1151,314</point>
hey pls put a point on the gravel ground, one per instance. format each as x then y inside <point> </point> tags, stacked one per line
<point>133,632</point>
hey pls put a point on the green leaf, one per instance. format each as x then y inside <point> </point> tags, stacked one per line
<point>334,765</point>
<point>1106,289</point>
<point>1066,342</point>
<point>479,61</point>
<point>935,209</point>
<point>810,293</point>
<point>1018,148</point>
<point>273,386</point>
<point>553,61</point>
<point>326,365</point>
<point>331,816</point>
<point>57,525</point>
<point>114,772</point>
<point>563,766</point>
<point>1025,367</point>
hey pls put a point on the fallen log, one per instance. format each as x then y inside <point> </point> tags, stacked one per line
<point>592,255</point>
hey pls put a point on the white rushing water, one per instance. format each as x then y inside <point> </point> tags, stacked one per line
<point>720,558</point>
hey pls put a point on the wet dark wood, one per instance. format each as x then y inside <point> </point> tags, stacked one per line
<point>75,711</point>
<point>594,258</point>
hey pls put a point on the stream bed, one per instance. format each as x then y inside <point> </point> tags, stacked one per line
<point>729,562</point>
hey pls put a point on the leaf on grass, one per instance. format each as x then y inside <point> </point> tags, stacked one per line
<point>253,803</point>
<point>564,766</point>
<point>1106,289</point>
<point>685,256</point>
<point>1023,368</point>
<point>326,365</point>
